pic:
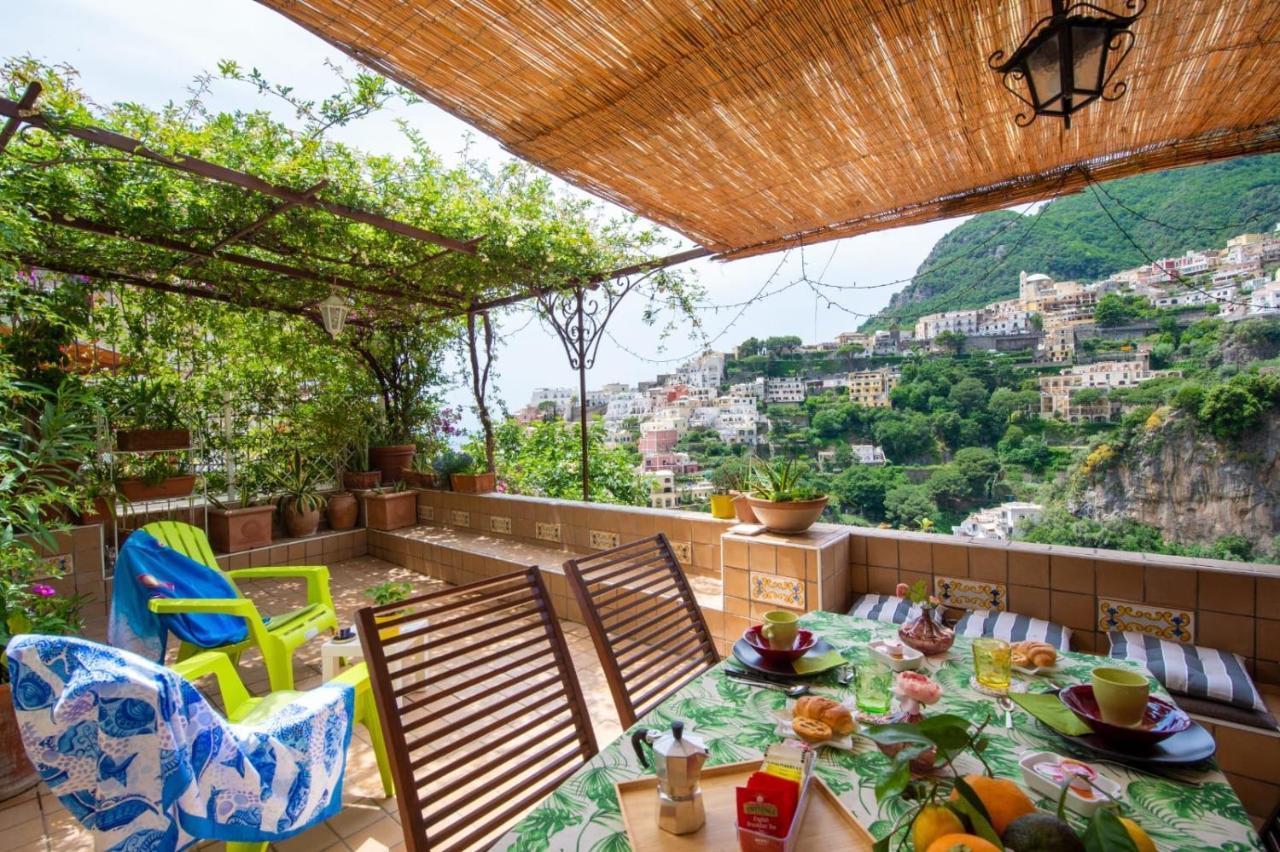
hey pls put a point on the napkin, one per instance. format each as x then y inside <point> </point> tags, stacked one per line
<point>814,663</point>
<point>1048,708</point>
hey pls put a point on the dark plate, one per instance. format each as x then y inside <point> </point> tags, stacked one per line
<point>1160,720</point>
<point>751,659</point>
<point>804,644</point>
<point>1191,746</point>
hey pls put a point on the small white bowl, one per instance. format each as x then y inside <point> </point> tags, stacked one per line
<point>910,658</point>
<point>1039,774</point>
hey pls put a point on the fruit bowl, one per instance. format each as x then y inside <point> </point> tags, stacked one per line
<point>1159,721</point>
<point>804,642</point>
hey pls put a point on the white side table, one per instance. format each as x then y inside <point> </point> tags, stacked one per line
<point>334,654</point>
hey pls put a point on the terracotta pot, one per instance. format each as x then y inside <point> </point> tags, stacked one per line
<point>17,775</point>
<point>788,518</point>
<point>100,514</point>
<point>234,530</point>
<point>137,491</point>
<point>722,506</point>
<point>742,509</point>
<point>134,440</point>
<point>473,483</point>
<point>926,635</point>
<point>414,479</point>
<point>390,511</point>
<point>299,524</point>
<point>343,510</point>
<point>362,481</point>
<point>392,461</point>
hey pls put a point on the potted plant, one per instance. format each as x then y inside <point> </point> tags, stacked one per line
<point>780,502</point>
<point>468,476</point>
<point>299,500</point>
<point>447,463</point>
<point>385,594</point>
<point>422,474</point>
<point>343,510</point>
<point>726,495</point>
<point>364,477</point>
<point>242,521</point>
<point>158,476</point>
<point>390,508</point>
<point>98,494</point>
<point>150,411</point>
<point>392,453</point>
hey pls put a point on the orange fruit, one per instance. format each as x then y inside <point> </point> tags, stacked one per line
<point>932,822</point>
<point>1003,799</point>
<point>962,843</point>
<point>1138,836</point>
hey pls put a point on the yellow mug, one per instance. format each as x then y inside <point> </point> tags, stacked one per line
<point>779,629</point>
<point>1121,695</point>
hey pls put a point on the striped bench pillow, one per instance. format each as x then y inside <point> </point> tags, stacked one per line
<point>889,608</point>
<point>1187,669</point>
<point>1012,627</point>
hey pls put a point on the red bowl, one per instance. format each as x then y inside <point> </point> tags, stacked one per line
<point>1160,720</point>
<point>805,640</point>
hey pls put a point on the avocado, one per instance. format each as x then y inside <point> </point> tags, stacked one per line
<point>1041,832</point>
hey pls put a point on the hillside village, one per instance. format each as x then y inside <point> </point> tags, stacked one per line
<point>1082,340</point>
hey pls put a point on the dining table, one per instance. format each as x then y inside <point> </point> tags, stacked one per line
<point>1182,808</point>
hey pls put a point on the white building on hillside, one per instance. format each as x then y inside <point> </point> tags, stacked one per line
<point>959,322</point>
<point>561,400</point>
<point>1000,522</point>
<point>784,390</point>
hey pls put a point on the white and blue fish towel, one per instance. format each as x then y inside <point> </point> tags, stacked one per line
<point>140,758</point>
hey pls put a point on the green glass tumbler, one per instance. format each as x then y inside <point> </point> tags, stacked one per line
<point>873,686</point>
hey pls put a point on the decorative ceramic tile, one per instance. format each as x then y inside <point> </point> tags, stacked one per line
<point>547,532</point>
<point>1173,625</point>
<point>970,594</point>
<point>426,513</point>
<point>777,590</point>
<point>500,524</point>
<point>602,540</point>
<point>683,552</point>
<point>460,519</point>
<point>63,563</point>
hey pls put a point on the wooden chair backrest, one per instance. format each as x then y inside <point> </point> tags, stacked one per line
<point>479,704</point>
<point>647,627</point>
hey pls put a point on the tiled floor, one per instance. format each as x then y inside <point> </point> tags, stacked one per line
<point>368,823</point>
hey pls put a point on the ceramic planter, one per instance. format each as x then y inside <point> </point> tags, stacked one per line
<point>362,481</point>
<point>299,524</point>
<point>137,491</point>
<point>391,511</point>
<point>722,506</point>
<point>100,514</point>
<point>343,510</point>
<point>17,775</point>
<point>742,509</point>
<point>234,530</point>
<point>414,479</point>
<point>392,461</point>
<point>473,483</point>
<point>788,518</point>
<point>135,440</point>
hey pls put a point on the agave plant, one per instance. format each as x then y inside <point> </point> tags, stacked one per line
<point>298,485</point>
<point>779,482</point>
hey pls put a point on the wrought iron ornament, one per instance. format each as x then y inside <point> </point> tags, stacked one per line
<point>1069,60</point>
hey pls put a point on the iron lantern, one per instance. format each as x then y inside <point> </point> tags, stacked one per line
<point>333,312</point>
<point>1069,60</point>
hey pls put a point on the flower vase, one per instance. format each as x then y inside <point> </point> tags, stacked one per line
<point>910,714</point>
<point>926,635</point>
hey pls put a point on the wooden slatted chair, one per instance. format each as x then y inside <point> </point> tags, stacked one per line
<point>647,627</point>
<point>479,704</point>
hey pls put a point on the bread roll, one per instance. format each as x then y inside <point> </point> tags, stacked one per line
<point>811,730</point>
<point>833,714</point>
<point>1032,654</point>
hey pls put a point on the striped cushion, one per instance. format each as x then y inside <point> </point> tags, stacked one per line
<point>1012,627</point>
<point>889,608</point>
<point>1186,669</point>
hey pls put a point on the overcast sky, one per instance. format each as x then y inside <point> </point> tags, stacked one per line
<point>148,51</point>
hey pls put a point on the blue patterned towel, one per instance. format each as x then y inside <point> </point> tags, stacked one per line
<point>138,756</point>
<point>147,569</point>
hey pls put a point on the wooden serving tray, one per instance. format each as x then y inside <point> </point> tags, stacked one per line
<point>828,826</point>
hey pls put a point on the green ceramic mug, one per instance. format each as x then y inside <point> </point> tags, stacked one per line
<point>1121,695</point>
<point>779,629</point>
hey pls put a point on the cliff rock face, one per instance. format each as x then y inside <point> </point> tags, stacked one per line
<point>1191,486</point>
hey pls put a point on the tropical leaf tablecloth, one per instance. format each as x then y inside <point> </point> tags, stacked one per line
<point>736,723</point>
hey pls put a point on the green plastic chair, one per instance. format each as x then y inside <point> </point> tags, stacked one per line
<point>276,636</point>
<point>244,709</point>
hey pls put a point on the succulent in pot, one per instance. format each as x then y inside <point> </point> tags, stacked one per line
<point>241,519</point>
<point>731,480</point>
<point>150,413</point>
<point>364,477</point>
<point>779,500</point>
<point>390,508</point>
<point>422,474</point>
<point>299,499</point>
<point>159,476</point>
<point>392,453</point>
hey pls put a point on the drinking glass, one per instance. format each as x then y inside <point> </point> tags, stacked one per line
<point>992,663</point>
<point>874,687</point>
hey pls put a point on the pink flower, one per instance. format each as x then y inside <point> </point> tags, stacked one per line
<point>43,591</point>
<point>913,686</point>
<point>934,600</point>
<point>901,590</point>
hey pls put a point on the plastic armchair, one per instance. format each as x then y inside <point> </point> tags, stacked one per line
<point>278,636</point>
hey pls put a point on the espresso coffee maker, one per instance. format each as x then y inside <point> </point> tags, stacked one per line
<point>677,761</point>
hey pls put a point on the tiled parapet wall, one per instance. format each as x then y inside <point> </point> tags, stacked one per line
<point>1234,606</point>
<point>577,527</point>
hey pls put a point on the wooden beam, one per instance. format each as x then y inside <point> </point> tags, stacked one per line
<point>309,192</point>
<point>24,104</point>
<point>221,174</point>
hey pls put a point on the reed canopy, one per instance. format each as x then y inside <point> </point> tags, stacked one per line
<point>752,125</point>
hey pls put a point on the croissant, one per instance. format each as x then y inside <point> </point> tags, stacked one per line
<point>1034,654</point>
<point>831,713</point>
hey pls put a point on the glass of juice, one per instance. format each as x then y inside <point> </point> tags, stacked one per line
<point>992,663</point>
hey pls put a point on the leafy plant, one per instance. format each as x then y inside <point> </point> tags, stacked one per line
<point>144,403</point>
<point>153,468</point>
<point>451,461</point>
<point>297,485</point>
<point>248,488</point>
<point>388,593</point>
<point>779,482</point>
<point>423,464</point>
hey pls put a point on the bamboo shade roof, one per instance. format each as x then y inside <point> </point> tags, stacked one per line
<point>751,125</point>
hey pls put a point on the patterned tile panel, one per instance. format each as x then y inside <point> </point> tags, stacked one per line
<point>970,594</point>
<point>500,524</point>
<point>776,590</point>
<point>602,540</point>
<point>64,563</point>
<point>547,532</point>
<point>683,552</point>
<point>460,519</point>
<point>1174,625</point>
<point>426,513</point>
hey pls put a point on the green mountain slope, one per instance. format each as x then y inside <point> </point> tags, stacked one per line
<point>1073,238</point>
